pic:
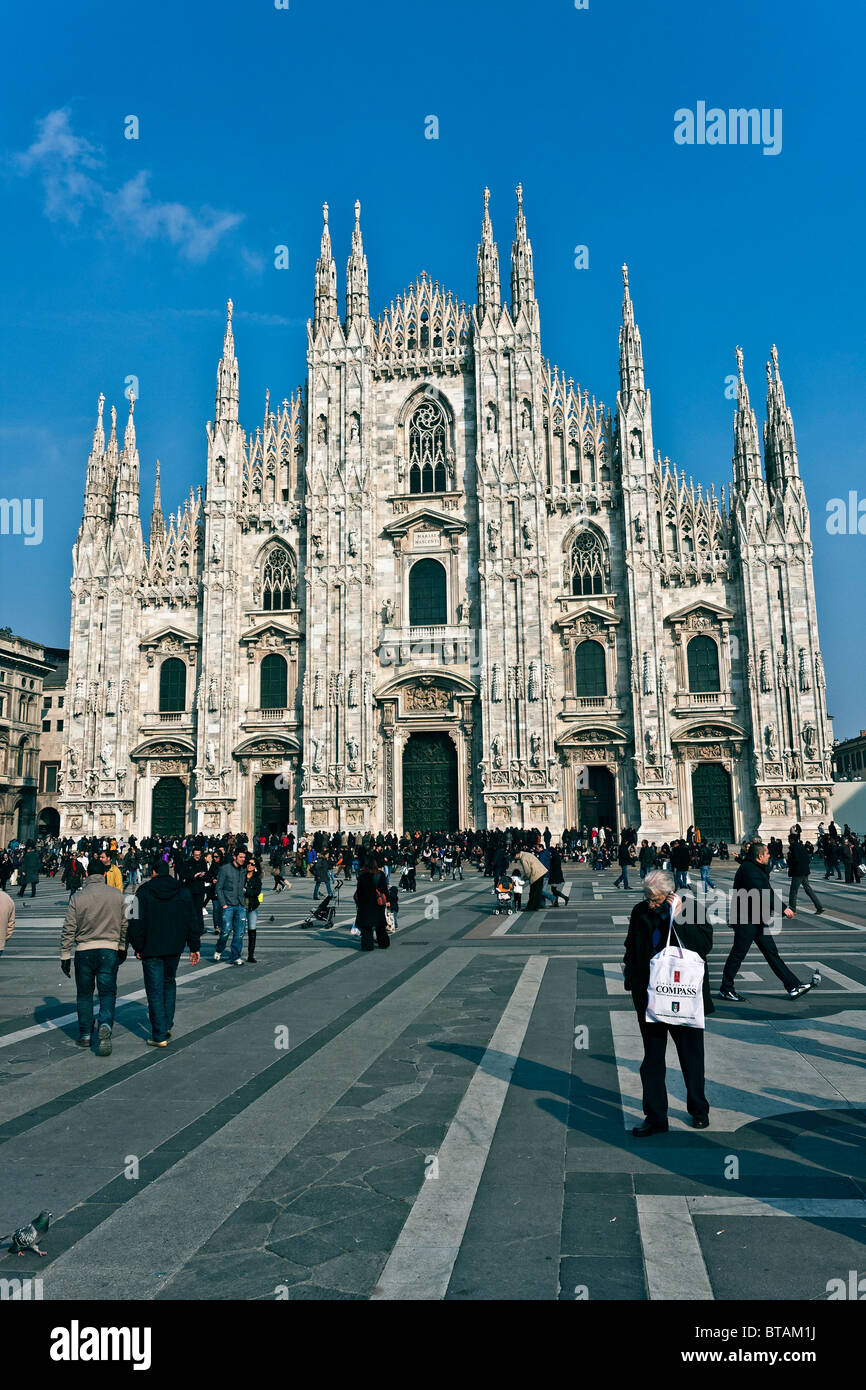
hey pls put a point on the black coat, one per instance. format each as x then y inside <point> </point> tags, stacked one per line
<point>197,886</point>
<point>681,856</point>
<point>167,920</point>
<point>799,860</point>
<point>694,936</point>
<point>753,900</point>
<point>370,916</point>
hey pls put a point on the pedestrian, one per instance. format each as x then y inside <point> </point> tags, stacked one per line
<point>95,927</point>
<point>530,867</point>
<point>252,898</point>
<point>647,858</point>
<point>230,897</point>
<point>623,858</point>
<point>648,930</point>
<point>194,877</point>
<point>371,899</point>
<point>28,872</point>
<point>799,865</point>
<point>705,859</point>
<point>113,876</point>
<point>7,919</point>
<point>323,873</point>
<point>166,923</point>
<point>680,858</point>
<point>556,877</point>
<point>752,905</point>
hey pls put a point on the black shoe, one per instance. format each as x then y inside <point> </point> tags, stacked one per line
<point>700,1121</point>
<point>798,990</point>
<point>732,994</point>
<point>104,1048</point>
<point>83,1041</point>
<point>819,910</point>
<point>647,1128</point>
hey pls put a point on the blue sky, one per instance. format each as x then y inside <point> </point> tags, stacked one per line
<point>120,254</point>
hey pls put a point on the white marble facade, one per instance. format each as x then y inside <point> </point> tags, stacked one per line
<point>439,432</point>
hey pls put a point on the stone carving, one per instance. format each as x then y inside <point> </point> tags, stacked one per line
<point>317,690</point>
<point>352,543</point>
<point>73,756</point>
<point>464,609</point>
<point>649,674</point>
<point>496,683</point>
<point>496,750</point>
<point>352,751</point>
<point>427,695</point>
<point>493,536</point>
<point>535,749</point>
<point>79,701</point>
<point>663,675</point>
<point>110,696</point>
<point>803,674</point>
<point>105,760</point>
<point>750,671</point>
<point>534,681</point>
<point>549,681</point>
<point>317,544</point>
<point>770,739</point>
<point>639,529</point>
<point>651,744</point>
<point>212,695</point>
<point>210,756</point>
<point>315,749</point>
<point>388,612</point>
<point>526,533</point>
<point>809,741</point>
<point>766,683</point>
<point>353,689</point>
<point>634,680</point>
<point>635,445</point>
<point>819,671</point>
<point>368,690</point>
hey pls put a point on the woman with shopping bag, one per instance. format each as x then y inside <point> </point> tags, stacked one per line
<point>666,973</point>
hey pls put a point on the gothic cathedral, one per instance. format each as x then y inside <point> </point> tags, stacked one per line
<point>443,587</point>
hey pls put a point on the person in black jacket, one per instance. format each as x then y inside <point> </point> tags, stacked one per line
<point>648,930</point>
<point>370,918</point>
<point>681,858</point>
<point>194,877</point>
<point>165,923</point>
<point>753,903</point>
<point>799,863</point>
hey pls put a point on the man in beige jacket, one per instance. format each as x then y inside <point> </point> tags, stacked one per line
<point>95,925</point>
<point>7,919</point>
<point>532,869</point>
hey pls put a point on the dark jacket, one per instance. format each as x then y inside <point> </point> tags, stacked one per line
<point>753,899</point>
<point>681,856</point>
<point>695,936</point>
<point>190,879</point>
<point>30,866</point>
<point>370,915</point>
<point>230,885</point>
<point>252,889</point>
<point>167,920</point>
<point>799,860</point>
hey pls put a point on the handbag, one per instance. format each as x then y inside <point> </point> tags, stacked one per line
<point>676,985</point>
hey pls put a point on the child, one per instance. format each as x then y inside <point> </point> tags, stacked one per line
<point>394,905</point>
<point>518,884</point>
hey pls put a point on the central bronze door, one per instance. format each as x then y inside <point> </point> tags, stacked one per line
<point>429,783</point>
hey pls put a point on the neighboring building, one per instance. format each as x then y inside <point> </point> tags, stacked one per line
<point>23,671</point>
<point>51,741</point>
<point>443,586</point>
<point>849,759</point>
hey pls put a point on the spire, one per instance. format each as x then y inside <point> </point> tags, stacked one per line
<point>747,453</point>
<point>96,477</point>
<point>157,520</point>
<point>129,432</point>
<point>126,490</point>
<point>357,287</point>
<point>325,312</point>
<point>780,447</point>
<point>99,432</point>
<point>522,279</point>
<point>488,265</point>
<point>631,377</point>
<point>226,408</point>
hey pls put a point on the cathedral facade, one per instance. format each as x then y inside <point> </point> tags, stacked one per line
<point>443,586</point>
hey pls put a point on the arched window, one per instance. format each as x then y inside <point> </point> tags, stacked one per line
<point>590,672</point>
<point>428,594</point>
<point>585,568</point>
<point>278,580</point>
<point>172,686</point>
<point>275,682</point>
<point>427,446</point>
<point>703,659</point>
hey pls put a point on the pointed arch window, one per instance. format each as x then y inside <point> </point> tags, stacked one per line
<point>428,593</point>
<point>428,433</point>
<point>586,570</point>
<point>278,581</point>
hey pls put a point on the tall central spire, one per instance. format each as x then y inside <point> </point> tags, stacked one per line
<point>631,377</point>
<point>227,376</point>
<point>522,278</point>
<point>157,520</point>
<point>325,312</point>
<point>488,265</point>
<point>357,281</point>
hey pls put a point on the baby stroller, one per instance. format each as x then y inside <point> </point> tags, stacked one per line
<point>324,914</point>
<point>504,896</point>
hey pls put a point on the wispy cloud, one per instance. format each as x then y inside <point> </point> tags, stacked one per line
<point>71,171</point>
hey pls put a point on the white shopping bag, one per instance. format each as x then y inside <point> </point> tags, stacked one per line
<point>676,986</point>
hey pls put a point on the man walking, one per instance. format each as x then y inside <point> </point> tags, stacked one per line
<point>705,860</point>
<point>95,925</point>
<point>113,876</point>
<point>29,869</point>
<point>799,864</point>
<point>166,923</point>
<point>624,858</point>
<point>323,874</point>
<point>233,914</point>
<point>752,905</point>
<point>530,867</point>
<point>193,877</point>
<point>680,860</point>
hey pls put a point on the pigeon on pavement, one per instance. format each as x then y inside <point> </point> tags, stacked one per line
<point>26,1237</point>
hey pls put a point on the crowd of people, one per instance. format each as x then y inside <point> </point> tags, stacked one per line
<point>157,897</point>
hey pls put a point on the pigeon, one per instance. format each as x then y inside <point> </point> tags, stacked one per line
<point>25,1237</point>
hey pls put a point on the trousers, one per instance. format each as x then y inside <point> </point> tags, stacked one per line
<point>689,1043</point>
<point>746,934</point>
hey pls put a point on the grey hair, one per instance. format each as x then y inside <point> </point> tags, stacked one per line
<point>658,882</point>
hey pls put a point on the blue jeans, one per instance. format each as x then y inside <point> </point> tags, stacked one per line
<point>680,878</point>
<point>705,876</point>
<point>97,968</point>
<point>234,920</point>
<point>623,876</point>
<point>161,991</point>
<point>252,918</point>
